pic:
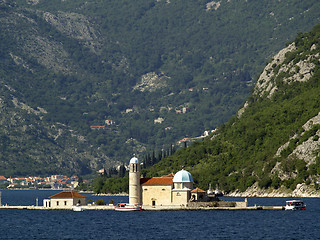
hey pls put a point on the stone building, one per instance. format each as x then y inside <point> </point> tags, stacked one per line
<point>65,199</point>
<point>134,182</point>
<point>160,191</point>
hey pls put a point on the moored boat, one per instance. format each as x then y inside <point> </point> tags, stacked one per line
<point>77,208</point>
<point>127,207</point>
<point>295,205</point>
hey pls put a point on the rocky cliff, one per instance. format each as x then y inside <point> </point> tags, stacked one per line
<point>292,65</point>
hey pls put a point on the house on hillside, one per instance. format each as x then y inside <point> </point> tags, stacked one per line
<point>158,120</point>
<point>65,199</point>
<point>109,122</point>
<point>97,127</point>
<point>3,180</point>
<point>102,171</point>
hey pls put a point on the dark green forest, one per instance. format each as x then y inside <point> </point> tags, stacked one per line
<point>242,151</point>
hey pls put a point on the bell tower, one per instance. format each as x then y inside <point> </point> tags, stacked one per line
<point>134,182</point>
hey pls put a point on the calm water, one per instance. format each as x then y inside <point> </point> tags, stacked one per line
<point>28,224</point>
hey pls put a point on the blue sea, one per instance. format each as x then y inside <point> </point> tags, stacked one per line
<point>35,224</point>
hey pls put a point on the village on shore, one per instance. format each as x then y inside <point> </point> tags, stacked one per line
<point>53,182</point>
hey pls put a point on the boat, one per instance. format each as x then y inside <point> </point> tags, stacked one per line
<point>217,192</point>
<point>295,205</point>
<point>77,208</point>
<point>127,207</point>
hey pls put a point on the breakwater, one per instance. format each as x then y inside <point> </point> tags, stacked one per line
<point>150,208</point>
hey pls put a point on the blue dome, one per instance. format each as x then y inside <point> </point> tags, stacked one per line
<point>134,160</point>
<point>182,176</point>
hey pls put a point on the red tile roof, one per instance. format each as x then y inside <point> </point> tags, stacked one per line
<point>2,178</point>
<point>169,175</point>
<point>198,190</point>
<point>156,181</point>
<point>68,194</point>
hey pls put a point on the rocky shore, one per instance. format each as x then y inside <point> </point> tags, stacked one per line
<point>302,190</point>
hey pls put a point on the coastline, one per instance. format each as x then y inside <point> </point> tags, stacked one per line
<point>302,191</point>
<point>110,194</point>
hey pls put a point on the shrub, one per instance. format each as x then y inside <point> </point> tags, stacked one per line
<point>100,202</point>
<point>265,182</point>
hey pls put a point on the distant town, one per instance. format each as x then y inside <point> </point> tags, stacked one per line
<point>50,182</point>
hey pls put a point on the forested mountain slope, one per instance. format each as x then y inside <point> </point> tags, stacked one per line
<point>123,77</point>
<point>273,141</point>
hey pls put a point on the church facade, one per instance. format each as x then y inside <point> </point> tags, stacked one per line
<point>159,191</point>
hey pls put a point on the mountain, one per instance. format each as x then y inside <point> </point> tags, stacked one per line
<point>273,141</point>
<point>85,84</point>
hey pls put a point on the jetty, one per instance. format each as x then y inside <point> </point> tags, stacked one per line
<point>148,208</point>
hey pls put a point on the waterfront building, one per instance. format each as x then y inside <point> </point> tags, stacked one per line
<point>161,191</point>
<point>65,199</point>
<point>156,191</point>
<point>134,182</point>
<point>198,194</point>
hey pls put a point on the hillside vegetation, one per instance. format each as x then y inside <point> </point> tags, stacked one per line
<point>85,84</point>
<point>273,141</point>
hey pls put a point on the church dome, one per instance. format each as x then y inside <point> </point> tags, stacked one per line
<point>134,160</point>
<point>182,176</point>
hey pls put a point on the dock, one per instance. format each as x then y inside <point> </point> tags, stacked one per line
<point>182,208</point>
<point>150,208</point>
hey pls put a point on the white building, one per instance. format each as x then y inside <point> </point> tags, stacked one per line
<point>65,199</point>
<point>159,191</point>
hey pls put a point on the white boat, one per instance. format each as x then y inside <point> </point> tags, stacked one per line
<point>295,205</point>
<point>127,207</point>
<point>217,192</point>
<point>77,208</point>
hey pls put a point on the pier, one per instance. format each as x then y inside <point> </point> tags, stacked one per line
<point>151,208</point>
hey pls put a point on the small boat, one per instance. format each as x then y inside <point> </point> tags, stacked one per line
<point>77,208</point>
<point>295,205</point>
<point>127,207</point>
<point>217,192</point>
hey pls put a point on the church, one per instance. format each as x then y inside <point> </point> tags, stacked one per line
<point>177,190</point>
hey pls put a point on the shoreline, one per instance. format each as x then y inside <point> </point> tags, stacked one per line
<point>301,191</point>
<point>268,193</point>
<point>149,208</point>
<point>111,194</point>
<point>65,189</point>
<point>270,196</point>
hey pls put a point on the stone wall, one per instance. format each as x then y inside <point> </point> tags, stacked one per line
<point>219,204</point>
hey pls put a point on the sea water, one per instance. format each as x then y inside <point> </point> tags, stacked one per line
<point>36,224</point>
